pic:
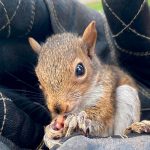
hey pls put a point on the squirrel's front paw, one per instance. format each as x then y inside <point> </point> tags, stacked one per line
<point>139,127</point>
<point>51,139</point>
<point>84,123</point>
<point>78,121</point>
<point>52,135</point>
<point>70,124</point>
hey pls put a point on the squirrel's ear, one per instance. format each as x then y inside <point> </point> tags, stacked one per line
<point>89,37</point>
<point>35,45</point>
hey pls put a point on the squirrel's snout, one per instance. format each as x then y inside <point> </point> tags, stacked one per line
<point>63,108</point>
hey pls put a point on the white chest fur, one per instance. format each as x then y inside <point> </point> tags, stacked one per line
<point>91,97</point>
<point>127,108</point>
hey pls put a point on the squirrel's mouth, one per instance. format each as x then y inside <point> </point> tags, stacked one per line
<point>58,123</point>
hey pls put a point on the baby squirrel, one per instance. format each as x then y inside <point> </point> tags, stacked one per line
<point>98,99</point>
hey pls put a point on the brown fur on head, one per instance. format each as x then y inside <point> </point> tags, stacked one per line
<point>56,69</point>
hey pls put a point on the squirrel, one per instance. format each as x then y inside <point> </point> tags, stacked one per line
<point>80,91</point>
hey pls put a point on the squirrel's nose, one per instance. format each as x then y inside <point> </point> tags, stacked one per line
<point>58,109</point>
<point>61,108</point>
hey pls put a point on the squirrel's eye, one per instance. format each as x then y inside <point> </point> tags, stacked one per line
<point>80,70</point>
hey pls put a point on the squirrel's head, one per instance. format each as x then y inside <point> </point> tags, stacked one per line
<point>67,70</point>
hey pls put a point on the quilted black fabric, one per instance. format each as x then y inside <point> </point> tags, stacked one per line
<point>129,24</point>
<point>17,125</point>
<point>20,18</point>
<point>23,113</point>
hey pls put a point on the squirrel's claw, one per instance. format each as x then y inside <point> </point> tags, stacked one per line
<point>79,121</point>
<point>84,123</point>
<point>139,127</point>
<point>70,124</point>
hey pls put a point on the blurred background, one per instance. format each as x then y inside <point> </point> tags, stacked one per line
<point>95,4</point>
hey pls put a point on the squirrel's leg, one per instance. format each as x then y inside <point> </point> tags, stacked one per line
<point>79,121</point>
<point>70,124</point>
<point>127,108</point>
<point>101,121</point>
<point>94,121</point>
<point>139,127</point>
